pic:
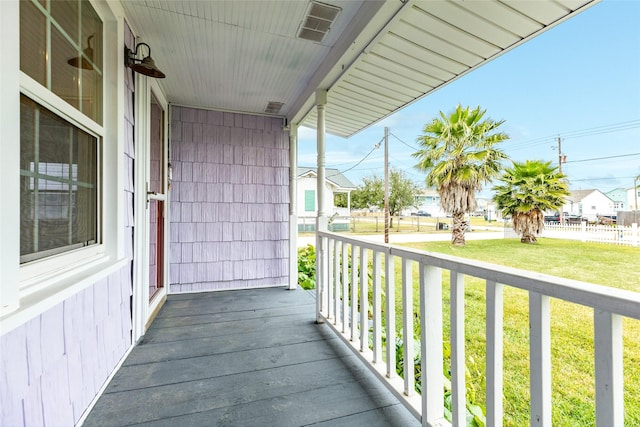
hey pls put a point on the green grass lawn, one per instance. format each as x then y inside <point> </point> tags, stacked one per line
<point>572,325</point>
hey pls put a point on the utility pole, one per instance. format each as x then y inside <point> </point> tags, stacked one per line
<point>561,159</point>
<point>559,154</point>
<point>386,185</point>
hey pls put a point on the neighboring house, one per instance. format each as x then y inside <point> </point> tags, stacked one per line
<point>633,198</point>
<point>335,183</point>
<point>588,204</point>
<point>428,200</point>
<point>619,197</point>
<point>119,188</point>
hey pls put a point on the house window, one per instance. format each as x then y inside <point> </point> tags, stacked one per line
<point>61,133</point>
<point>61,48</point>
<point>58,184</point>
<point>309,200</point>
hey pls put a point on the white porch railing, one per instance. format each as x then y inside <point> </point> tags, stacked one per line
<point>336,287</point>
<point>618,235</point>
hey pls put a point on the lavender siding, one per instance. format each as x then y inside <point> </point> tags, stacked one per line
<point>53,366</point>
<point>229,201</point>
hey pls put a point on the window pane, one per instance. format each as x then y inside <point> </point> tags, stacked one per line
<point>59,184</point>
<point>74,52</point>
<point>65,13</point>
<point>33,43</point>
<point>64,77</point>
<point>91,39</point>
<point>92,94</point>
<point>92,27</point>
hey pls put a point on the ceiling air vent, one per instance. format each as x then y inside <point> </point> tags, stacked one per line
<point>273,107</point>
<point>317,22</point>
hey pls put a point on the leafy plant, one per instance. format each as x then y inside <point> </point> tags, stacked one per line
<point>307,267</point>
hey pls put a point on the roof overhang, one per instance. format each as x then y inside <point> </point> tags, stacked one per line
<point>424,46</point>
<point>376,58</point>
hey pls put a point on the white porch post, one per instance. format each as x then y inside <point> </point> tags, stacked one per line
<point>293,207</point>
<point>321,218</point>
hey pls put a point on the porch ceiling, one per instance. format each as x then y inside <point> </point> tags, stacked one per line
<point>376,58</point>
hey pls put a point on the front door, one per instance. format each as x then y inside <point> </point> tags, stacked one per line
<point>150,205</point>
<point>156,197</point>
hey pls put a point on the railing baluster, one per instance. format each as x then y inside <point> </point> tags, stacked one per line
<point>390,311</point>
<point>345,286</point>
<point>377,309</point>
<point>407,327</point>
<point>354,293</point>
<point>320,277</point>
<point>540,355</point>
<point>494,333</point>
<point>431,345</point>
<point>609,373</point>
<point>611,305</point>
<point>364,298</point>
<point>336,281</point>
<point>458,379</point>
<point>330,278</point>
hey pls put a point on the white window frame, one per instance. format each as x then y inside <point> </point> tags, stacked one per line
<point>37,275</point>
<point>29,289</point>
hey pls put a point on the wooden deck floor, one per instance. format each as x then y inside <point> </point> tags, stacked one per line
<point>244,358</point>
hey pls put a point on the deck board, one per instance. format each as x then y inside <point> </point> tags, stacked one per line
<point>244,358</point>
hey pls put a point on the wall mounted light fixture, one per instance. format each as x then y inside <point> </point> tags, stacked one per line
<point>81,61</point>
<point>146,66</point>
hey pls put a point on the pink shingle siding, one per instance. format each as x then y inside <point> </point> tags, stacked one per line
<point>229,201</point>
<point>54,365</point>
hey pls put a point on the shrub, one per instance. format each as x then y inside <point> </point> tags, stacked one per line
<point>307,267</point>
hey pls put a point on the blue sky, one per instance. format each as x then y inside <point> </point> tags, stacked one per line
<point>579,80</point>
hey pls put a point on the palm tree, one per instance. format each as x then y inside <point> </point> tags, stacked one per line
<point>459,154</point>
<point>528,190</point>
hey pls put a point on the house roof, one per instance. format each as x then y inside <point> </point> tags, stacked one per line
<point>377,57</point>
<point>579,195</point>
<point>334,176</point>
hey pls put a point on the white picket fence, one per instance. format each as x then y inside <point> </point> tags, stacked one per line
<point>618,235</point>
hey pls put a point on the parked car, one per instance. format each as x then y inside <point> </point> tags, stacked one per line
<point>607,219</point>
<point>420,213</point>
<point>555,218</point>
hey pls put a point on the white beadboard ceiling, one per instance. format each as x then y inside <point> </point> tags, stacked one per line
<point>377,57</point>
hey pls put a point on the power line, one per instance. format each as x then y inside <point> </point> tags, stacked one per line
<point>376,146</point>
<point>602,178</point>
<point>405,143</point>
<point>598,130</point>
<point>604,158</point>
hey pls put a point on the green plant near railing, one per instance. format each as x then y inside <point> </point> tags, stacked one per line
<point>475,413</point>
<point>307,272</point>
<point>307,267</point>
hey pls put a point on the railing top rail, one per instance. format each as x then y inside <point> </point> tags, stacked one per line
<point>613,300</point>
<point>374,246</point>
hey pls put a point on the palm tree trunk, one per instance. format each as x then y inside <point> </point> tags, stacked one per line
<point>457,232</point>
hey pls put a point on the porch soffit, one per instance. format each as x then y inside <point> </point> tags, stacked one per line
<point>377,57</point>
<point>427,45</point>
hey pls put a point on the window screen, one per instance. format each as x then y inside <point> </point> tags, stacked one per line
<point>58,184</point>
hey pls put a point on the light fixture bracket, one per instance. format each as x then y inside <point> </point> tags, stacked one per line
<point>145,66</point>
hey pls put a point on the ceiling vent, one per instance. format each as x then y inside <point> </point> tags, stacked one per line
<point>273,107</point>
<point>317,21</point>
